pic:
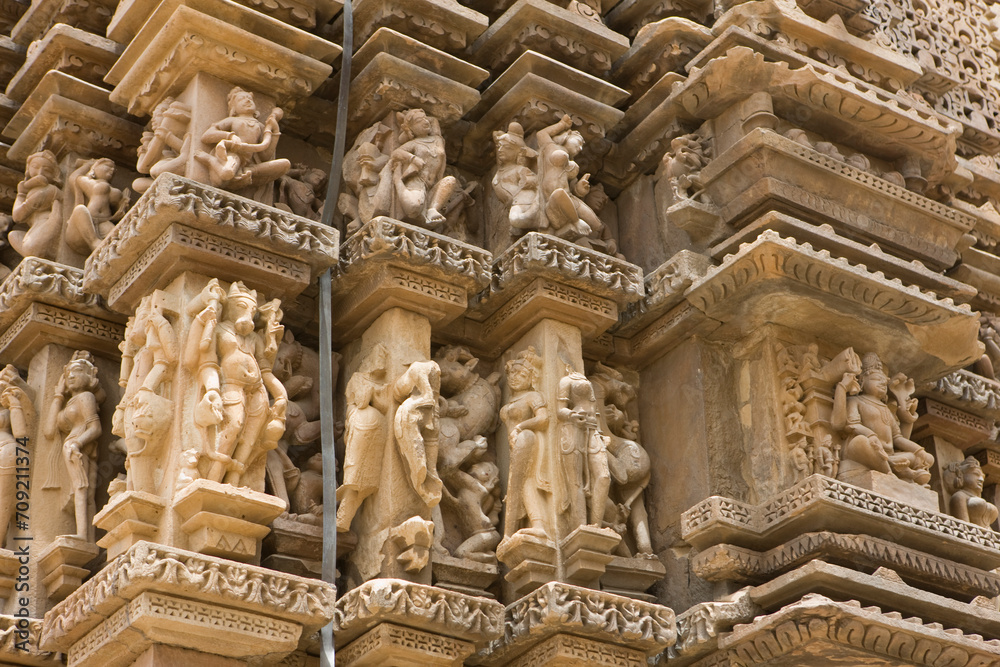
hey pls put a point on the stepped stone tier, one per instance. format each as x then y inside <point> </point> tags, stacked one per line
<point>664,332</point>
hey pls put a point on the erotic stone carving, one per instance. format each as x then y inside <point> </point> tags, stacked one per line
<point>400,173</point>
<point>551,197</point>
<point>471,494</point>
<point>166,145</point>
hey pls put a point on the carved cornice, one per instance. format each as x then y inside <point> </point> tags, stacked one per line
<point>818,625</point>
<point>173,199</point>
<point>40,280</point>
<point>12,645</point>
<point>967,391</point>
<point>431,609</point>
<point>837,103</point>
<point>152,568</point>
<point>384,240</point>
<point>443,24</point>
<point>823,501</point>
<point>665,288</point>
<point>558,608</point>
<point>728,562</point>
<point>537,255</point>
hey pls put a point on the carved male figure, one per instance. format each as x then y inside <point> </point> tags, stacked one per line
<point>166,146</point>
<point>75,415</point>
<point>149,354</point>
<point>873,437</point>
<point>235,358</point>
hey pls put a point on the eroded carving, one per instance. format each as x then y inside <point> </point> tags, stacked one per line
<point>38,206</point>
<point>97,205</point>
<point>17,417</point>
<point>964,481</point>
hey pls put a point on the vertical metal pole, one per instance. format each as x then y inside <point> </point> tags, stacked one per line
<point>327,381</point>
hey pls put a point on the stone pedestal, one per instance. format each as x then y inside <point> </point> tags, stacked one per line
<point>892,487</point>
<point>128,518</point>
<point>295,547</point>
<point>157,595</point>
<point>410,625</point>
<point>62,564</point>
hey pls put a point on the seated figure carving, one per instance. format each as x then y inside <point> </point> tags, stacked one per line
<point>873,424</point>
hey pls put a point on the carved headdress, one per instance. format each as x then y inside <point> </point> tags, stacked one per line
<point>871,363</point>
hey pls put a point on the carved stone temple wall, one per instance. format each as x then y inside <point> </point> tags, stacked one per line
<point>666,332</point>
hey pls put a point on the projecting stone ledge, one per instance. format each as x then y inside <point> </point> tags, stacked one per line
<point>154,594</point>
<point>180,225</point>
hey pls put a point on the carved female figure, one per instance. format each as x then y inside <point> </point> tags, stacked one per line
<point>515,183</point>
<point>16,415</point>
<point>583,449</point>
<point>417,427</point>
<point>38,206</point>
<point>244,147</point>
<point>526,416</point>
<point>365,435</point>
<point>75,415</point>
<point>97,204</point>
<point>964,481</point>
<point>417,170</point>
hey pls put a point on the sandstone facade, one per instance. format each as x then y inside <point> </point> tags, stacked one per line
<point>661,332</point>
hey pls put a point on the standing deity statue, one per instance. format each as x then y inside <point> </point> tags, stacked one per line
<point>551,198</point>
<point>244,147</point>
<point>17,414</point>
<point>166,144</point>
<point>526,417</point>
<point>149,355</point>
<point>872,424</point>
<point>75,416</point>
<point>233,343</point>
<point>583,450</point>
<point>97,205</point>
<point>470,497</point>
<point>38,206</point>
<point>989,335</point>
<point>964,481</point>
<point>365,435</point>
<point>401,174</point>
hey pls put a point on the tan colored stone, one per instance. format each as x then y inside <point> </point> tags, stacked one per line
<point>67,49</point>
<point>164,234</point>
<point>200,37</point>
<point>442,24</point>
<point>588,45</point>
<point>40,16</point>
<point>62,564</point>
